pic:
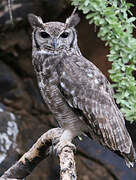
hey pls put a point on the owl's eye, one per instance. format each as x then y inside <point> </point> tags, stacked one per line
<point>44,34</point>
<point>64,35</point>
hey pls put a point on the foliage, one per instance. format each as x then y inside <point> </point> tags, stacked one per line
<point>116,27</point>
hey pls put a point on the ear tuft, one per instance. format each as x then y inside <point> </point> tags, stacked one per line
<point>72,21</point>
<point>35,21</point>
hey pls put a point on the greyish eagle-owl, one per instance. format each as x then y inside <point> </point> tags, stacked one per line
<point>75,90</point>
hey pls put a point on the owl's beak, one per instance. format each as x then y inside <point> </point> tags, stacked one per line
<point>55,43</point>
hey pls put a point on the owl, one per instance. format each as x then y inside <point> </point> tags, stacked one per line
<point>75,90</point>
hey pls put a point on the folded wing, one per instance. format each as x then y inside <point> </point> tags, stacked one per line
<point>86,89</point>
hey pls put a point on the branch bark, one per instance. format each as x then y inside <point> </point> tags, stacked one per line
<point>67,164</point>
<point>39,151</point>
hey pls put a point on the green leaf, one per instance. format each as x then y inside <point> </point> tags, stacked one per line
<point>132,19</point>
<point>89,16</point>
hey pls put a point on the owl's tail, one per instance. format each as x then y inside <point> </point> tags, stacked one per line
<point>130,158</point>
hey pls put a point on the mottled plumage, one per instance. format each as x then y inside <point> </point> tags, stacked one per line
<point>77,93</point>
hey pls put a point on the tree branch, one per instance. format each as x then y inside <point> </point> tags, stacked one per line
<point>39,151</point>
<point>10,11</point>
<point>67,164</point>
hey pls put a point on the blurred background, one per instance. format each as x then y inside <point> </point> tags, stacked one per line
<point>23,114</point>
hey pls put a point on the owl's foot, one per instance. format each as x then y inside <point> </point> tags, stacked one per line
<point>52,150</point>
<point>61,144</point>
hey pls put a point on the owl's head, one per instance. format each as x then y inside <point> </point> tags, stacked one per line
<point>54,36</point>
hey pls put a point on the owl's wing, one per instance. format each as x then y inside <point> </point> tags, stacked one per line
<point>86,89</point>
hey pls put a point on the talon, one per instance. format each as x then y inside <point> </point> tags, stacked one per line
<point>52,150</point>
<point>59,146</point>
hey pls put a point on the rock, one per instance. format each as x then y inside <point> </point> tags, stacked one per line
<point>8,139</point>
<point>12,90</point>
<point>20,9</point>
<point>6,78</point>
